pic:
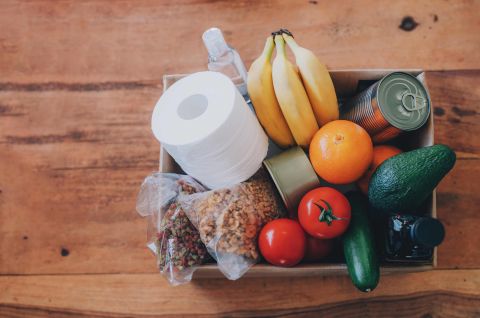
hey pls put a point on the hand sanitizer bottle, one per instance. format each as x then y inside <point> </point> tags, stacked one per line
<point>225,59</point>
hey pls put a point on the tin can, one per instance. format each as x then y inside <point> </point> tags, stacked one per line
<point>398,102</point>
<point>293,176</point>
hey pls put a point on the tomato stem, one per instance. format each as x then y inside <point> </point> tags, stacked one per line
<point>326,214</point>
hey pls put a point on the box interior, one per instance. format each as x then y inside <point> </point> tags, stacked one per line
<point>347,83</point>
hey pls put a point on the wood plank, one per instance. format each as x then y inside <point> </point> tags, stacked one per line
<point>124,42</point>
<point>145,295</point>
<point>457,202</point>
<point>72,162</point>
<point>445,304</point>
<point>455,97</point>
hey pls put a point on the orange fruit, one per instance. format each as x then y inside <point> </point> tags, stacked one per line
<point>380,154</point>
<point>341,152</point>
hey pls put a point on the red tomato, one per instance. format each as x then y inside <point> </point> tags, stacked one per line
<point>324,213</point>
<point>282,242</point>
<point>317,248</point>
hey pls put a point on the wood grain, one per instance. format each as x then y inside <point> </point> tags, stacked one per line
<point>441,304</point>
<point>456,98</point>
<point>71,166</point>
<point>70,179</point>
<point>125,41</point>
<point>79,81</point>
<point>402,295</point>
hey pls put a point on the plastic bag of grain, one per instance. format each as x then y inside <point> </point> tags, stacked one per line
<point>171,236</point>
<point>229,220</point>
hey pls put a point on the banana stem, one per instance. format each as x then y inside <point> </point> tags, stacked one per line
<point>290,41</point>
<point>280,45</point>
<point>285,31</point>
<point>268,49</point>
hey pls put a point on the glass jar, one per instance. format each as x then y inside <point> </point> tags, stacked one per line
<point>412,238</point>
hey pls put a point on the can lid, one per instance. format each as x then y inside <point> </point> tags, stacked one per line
<point>403,101</point>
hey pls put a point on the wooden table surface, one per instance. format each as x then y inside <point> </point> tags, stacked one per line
<point>78,81</point>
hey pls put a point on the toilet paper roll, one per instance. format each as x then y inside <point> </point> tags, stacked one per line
<point>204,123</point>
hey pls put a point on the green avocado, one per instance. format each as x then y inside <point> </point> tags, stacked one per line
<point>359,246</point>
<point>403,182</point>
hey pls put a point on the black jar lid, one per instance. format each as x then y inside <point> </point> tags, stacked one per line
<point>428,232</point>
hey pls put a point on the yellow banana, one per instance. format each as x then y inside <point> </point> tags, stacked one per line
<point>260,89</point>
<point>292,97</point>
<point>317,82</point>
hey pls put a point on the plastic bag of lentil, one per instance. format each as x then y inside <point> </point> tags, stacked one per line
<point>171,236</point>
<point>230,219</point>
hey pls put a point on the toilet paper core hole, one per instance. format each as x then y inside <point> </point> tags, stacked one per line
<point>192,107</point>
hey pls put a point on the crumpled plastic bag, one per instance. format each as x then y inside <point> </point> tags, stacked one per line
<point>230,219</point>
<point>171,235</point>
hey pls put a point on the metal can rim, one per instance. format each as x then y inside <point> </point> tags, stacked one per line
<point>291,190</point>
<point>274,177</point>
<point>429,106</point>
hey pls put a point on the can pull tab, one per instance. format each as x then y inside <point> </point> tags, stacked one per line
<point>418,102</point>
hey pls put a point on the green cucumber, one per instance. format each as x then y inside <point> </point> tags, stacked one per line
<point>359,246</point>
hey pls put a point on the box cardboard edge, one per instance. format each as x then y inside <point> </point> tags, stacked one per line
<point>166,164</point>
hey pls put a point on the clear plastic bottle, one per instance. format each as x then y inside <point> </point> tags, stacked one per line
<point>225,59</point>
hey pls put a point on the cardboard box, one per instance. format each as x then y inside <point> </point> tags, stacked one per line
<point>347,83</point>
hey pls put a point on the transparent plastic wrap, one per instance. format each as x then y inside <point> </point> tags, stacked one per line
<point>173,238</point>
<point>229,220</point>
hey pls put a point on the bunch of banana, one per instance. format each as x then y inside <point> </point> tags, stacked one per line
<point>292,97</point>
<point>262,94</point>
<point>317,82</point>
<point>291,103</point>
